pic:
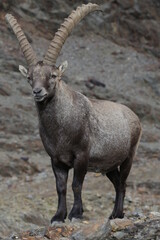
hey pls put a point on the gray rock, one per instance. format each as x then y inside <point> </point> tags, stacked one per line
<point>119,235</point>
<point>95,231</point>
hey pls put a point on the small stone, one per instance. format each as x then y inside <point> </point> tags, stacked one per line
<point>64,238</point>
<point>95,230</point>
<point>76,220</point>
<point>129,199</point>
<point>154,215</point>
<point>56,232</point>
<point>28,179</point>
<point>119,235</point>
<point>85,222</point>
<point>97,174</point>
<point>57,224</point>
<point>24,158</point>
<point>89,208</point>
<point>138,214</point>
<point>14,236</point>
<point>98,195</point>
<point>29,196</point>
<point>120,224</point>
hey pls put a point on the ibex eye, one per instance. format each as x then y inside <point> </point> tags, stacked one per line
<point>53,75</point>
<point>29,80</point>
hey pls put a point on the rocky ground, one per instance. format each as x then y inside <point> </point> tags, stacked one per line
<point>100,66</point>
<point>137,227</point>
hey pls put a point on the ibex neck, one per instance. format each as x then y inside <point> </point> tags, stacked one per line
<point>57,108</point>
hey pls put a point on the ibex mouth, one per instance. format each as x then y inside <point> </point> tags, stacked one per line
<point>40,98</point>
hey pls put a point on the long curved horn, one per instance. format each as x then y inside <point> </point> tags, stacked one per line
<point>24,44</point>
<point>65,29</point>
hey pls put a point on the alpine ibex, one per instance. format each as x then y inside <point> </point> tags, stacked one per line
<point>78,132</point>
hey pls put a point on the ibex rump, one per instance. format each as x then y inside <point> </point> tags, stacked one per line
<point>77,132</point>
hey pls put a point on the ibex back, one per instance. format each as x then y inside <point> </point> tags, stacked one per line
<point>78,132</point>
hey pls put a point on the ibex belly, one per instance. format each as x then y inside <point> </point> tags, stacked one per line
<point>110,145</point>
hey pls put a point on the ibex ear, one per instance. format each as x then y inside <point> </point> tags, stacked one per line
<point>63,66</point>
<point>23,70</point>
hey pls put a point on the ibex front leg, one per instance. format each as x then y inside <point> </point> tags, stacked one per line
<point>80,169</point>
<point>61,175</point>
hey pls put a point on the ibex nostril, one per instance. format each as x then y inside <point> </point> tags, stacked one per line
<point>37,90</point>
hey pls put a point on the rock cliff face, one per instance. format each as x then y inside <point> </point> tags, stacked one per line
<point>127,22</point>
<point>115,56</point>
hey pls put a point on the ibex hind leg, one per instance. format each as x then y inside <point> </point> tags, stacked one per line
<point>118,177</point>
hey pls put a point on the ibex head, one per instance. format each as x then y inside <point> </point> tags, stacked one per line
<point>43,75</point>
<point>43,78</point>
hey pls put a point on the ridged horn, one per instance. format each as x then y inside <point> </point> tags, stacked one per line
<point>27,50</point>
<point>65,29</point>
